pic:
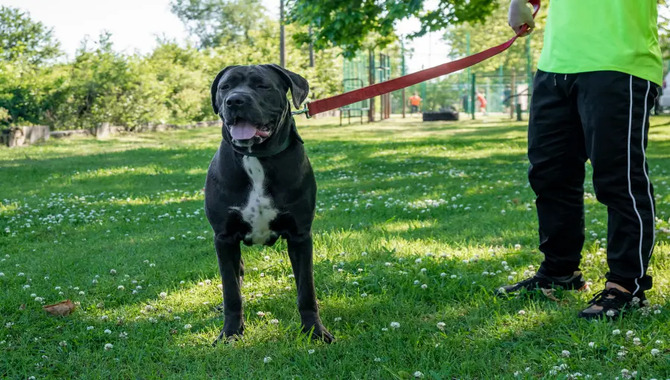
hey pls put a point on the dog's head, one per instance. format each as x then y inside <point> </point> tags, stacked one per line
<point>251,101</point>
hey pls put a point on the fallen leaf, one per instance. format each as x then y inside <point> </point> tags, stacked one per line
<point>549,293</point>
<point>22,307</point>
<point>62,308</point>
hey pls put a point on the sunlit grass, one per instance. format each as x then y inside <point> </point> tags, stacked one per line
<point>416,225</point>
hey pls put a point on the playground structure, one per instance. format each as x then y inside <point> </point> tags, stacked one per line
<point>465,91</point>
<point>364,70</point>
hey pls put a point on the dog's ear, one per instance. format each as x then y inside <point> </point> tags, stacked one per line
<point>215,86</point>
<point>298,85</point>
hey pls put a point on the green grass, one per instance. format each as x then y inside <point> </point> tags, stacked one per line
<point>113,224</point>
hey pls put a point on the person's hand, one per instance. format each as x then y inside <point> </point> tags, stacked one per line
<point>520,14</point>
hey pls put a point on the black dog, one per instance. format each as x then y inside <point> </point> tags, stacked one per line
<point>260,185</point>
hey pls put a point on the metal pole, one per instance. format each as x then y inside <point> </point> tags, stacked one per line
<point>282,52</point>
<point>311,48</point>
<point>402,72</point>
<point>371,69</point>
<point>472,96</point>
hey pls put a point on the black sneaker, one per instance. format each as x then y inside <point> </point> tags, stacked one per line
<point>611,303</point>
<point>574,281</point>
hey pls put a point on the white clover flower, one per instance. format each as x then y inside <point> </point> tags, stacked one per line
<point>107,331</point>
<point>274,321</point>
<point>655,351</point>
<point>522,312</point>
<point>443,274</point>
<point>310,351</point>
<point>337,319</point>
<point>610,313</point>
<point>440,325</point>
<point>112,271</point>
<point>637,341</point>
<point>163,295</point>
<point>424,286</point>
<point>108,346</point>
<point>395,325</point>
<point>62,343</point>
<point>364,294</point>
<point>592,344</point>
<point>616,332</point>
<point>89,328</point>
<point>267,359</point>
<point>418,374</point>
<point>630,333</point>
<point>260,314</point>
<point>187,326</point>
<point>565,353</point>
<point>123,335</point>
<point>121,287</point>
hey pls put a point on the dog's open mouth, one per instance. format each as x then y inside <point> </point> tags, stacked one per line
<point>243,130</point>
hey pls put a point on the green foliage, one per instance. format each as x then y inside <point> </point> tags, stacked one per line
<point>220,22</point>
<point>349,24</point>
<point>168,85</point>
<point>24,39</point>
<point>470,38</point>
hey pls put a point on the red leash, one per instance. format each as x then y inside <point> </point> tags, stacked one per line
<point>337,101</point>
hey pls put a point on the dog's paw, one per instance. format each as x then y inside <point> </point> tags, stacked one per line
<point>318,332</point>
<point>228,336</point>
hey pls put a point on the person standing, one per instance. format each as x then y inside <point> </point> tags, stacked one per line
<point>414,102</point>
<point>482,103</point>
<point>593,91</point>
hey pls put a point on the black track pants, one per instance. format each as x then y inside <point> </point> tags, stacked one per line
<point>602,116</point>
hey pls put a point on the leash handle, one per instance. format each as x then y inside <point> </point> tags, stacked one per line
<point>337,101</point>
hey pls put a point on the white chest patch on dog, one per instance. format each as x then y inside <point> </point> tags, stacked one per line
<point>259,210</point>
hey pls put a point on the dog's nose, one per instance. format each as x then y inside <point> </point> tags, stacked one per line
<point>235,100</point>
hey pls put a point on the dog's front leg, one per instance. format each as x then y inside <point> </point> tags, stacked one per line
<point>232,270</point>
<point>300,253</point>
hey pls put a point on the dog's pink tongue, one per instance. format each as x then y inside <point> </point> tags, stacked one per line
<point>242,131</point>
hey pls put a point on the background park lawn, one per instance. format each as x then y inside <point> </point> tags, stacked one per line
<point>416,225</point>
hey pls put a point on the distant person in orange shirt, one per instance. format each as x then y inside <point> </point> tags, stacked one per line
<point>482,103</point>
<point>414,102</point>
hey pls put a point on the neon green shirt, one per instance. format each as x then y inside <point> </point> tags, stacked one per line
<point>602,35</point>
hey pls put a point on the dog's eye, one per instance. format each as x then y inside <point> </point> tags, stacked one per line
<point>263,86</point>
<point>224,86</point>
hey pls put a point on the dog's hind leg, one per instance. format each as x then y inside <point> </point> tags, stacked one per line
<point>300,253</point>
<point>232,270</point>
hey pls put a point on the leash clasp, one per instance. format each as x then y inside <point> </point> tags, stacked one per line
<point>305,110</point>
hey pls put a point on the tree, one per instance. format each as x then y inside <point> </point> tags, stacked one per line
<point>219,22</point>
<point>347,23</point>
<point>23,38</point>
<point>469,38</point>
